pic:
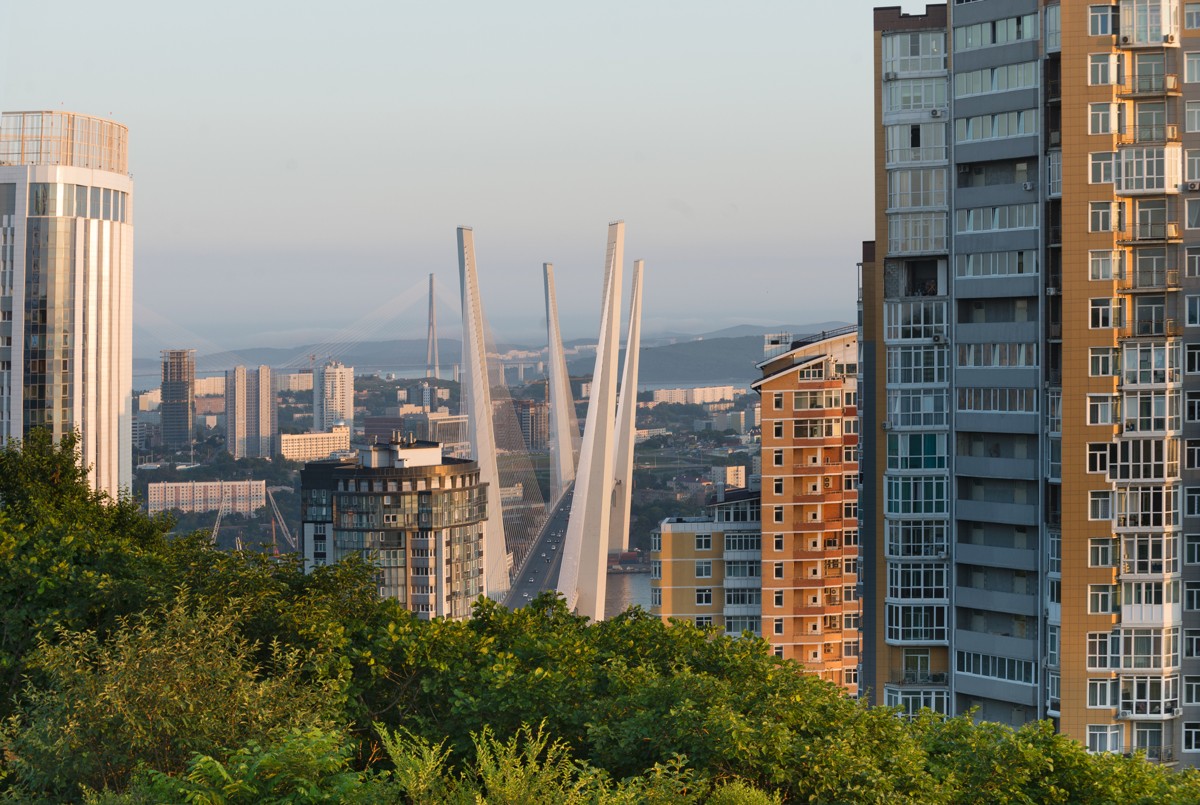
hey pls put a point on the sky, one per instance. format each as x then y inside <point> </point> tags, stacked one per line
<point>300,167</point>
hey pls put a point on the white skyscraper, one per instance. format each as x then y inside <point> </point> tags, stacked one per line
<point>333,396</point>
<point>66,285</point>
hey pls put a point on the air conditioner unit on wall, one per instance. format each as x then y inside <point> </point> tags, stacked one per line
<point>1193,186</point>
<point>1027,185</point>
<point>890,75</point>
<point>935,112</point>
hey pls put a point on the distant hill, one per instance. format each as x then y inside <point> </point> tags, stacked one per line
<point>722,356</point>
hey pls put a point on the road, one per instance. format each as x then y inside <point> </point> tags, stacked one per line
<point>540,570</point>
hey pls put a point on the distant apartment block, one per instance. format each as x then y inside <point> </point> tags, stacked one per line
<point>251,416</point>
<point>233,497</point>
<point>294,381</point>
<point>314,446</point>
<point>809,466</point>
<point>729,477</point>
<point>533,416</point>
<point>333,396</point>
<point>210,386</point>
<point>418,515</point>
<point>178,396</point>
<point>696,396</point>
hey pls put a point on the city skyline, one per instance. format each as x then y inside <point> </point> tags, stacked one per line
<point>693,120</point>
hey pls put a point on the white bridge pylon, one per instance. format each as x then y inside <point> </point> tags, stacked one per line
<point>477,401</point>
<point>600,506</point>
<point>564,426</point>
<point>618,524</point>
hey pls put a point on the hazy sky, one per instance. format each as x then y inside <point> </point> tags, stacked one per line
<point>299,164</point>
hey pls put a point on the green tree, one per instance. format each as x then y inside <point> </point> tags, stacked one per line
<point>160,689</point>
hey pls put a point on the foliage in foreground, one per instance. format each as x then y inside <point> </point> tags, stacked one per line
<point>160,670</point>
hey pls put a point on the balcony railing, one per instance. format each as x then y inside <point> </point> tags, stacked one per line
<point>1150,84</point>
<point>1157,133</point>
<point>908,677</point>
<point>1149,328</point>
<point>1150,279</point>
<point>1149,233</point>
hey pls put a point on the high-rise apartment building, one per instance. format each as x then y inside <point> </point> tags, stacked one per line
<point>333,396</point>
<point>810,600</point>
<point>178,397</point>
<point>418,515</point>
<point>708,570</point>
<point>1031,369</point>
<point>251,416</point>
<point>66,286</point>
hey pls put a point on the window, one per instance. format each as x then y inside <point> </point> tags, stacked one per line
<point>778,625</point>
<point>656,596</point>
<point>1191,454</point>
<point>1104,68</point>
<point>656,541</point>
<point>1192,268</point>
<point>1191,501</point>
<point>1099,656</point>
<point>1191,690</point>
<point>704,621</point>
<point>777,430</point>
<point>777,458</point>
<point>1104,737</point>
<point>1105,264</point>
<point>1191,116</point>
<point>1100,409</point>
<point>1100,118</point>
<point>1192,159</point>
<point>1103,599</point>
<point>1100,216</point>
<point>1104,692</point>
<point>1100,168</point>
<point>704,597</point>
<point>1191,643</point>
<point>1101,20</point>
<point>778,542</point>
<point>1097,457</point>
<point>777,401</point>
<point>1193,310</point>
<point>704,569</point>
<point>1191,736</point>
<point>779,570</point>
<point>1191,549</point>
<point>777,486</point>
<point>778,599</point>
<point>1102,361</point>
<point>1191,596</point>
<point>1099,504</point>
<point>777,513</point>
<point>656,569</point>
<point>1191,70</point>
<point>1192,211</point>
<point>704,542</point>
<point>1101,552</point>
<point>1191,15</point>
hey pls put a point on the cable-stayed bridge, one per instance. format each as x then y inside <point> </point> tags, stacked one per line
<point>590,475</point>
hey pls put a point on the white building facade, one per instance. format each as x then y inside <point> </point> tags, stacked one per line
<point>333,396</point>
<point>66,286</point>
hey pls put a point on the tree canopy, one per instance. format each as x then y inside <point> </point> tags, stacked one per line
<point>146,669</point>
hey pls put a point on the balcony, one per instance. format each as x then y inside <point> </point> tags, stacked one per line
<point>1148,85</point>
<point>1167,232</point>
<point>1151,328</point>
<point>910,677</point>
<point>1149,280</point>
<point>1148,711</point>
<point>1149,135</point>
